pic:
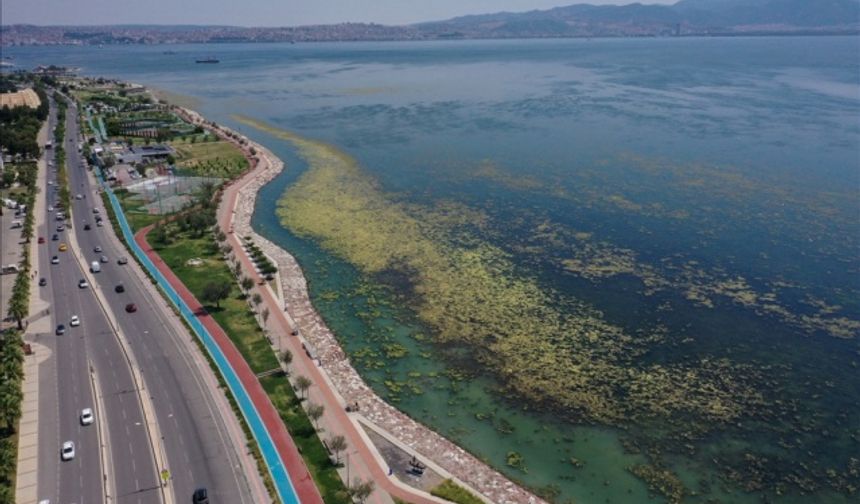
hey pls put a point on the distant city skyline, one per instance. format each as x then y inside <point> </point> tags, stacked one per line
<point>264,12</point>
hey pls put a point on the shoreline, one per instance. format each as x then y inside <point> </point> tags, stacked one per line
<point>465,468</point>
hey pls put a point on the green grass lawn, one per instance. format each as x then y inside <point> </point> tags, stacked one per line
<point>453,492</point>
<point>316,457</point>
<point>216,158</point>
<point>233,315</point>
<point>242,328</point>
<point>137,215</point>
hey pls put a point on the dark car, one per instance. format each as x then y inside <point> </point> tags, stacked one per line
<point>131,308</point>
<point>119,288</point>
<point>41,239</point>
<point>55,237</point>
<point>61,329</point>
<point>87,227</point>
<point>200,496</point>
<point>43,282</point>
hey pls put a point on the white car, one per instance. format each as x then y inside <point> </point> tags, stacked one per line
<point>99,223</point>
<point>75,322</point>
<point>68,451</point>
<point>79,196</point>
<point>98,249</point>
<point>87,416</point>
<point>95,210</point>
<point>83,284</point>
<point>55,260</point>
<point>50,209</point>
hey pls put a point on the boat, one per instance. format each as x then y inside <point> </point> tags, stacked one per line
<point>210,59</point>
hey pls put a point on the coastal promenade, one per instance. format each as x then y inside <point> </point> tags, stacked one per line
<point>289,453</point>
<point>336,382</point>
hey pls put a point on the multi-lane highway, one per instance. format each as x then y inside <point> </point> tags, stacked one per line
<point>91,346</point>
<point>192,424</point>
<point>170,417</point>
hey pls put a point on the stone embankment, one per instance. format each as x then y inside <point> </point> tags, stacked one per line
<point>334,362</point>
<point>346,379</point>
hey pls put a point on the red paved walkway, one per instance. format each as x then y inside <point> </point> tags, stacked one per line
<point>301,478</point>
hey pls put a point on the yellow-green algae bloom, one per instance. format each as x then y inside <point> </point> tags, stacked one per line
<point>557,353</point>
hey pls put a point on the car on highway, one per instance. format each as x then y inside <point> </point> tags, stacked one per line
<point>41,240</point>
<point>79,196</point>
<point>99,223</point>
<point>50,209</point>
<point>83,284</point>
<point>119,288</point>
<point>87,416</point>
<point>131,308</point>
<point>55,237</point>
<point>60,227</point>
<point>103,259</point>
<point>96,210</point>
<point>122,260</point>
<point>75,321</point>
<point>68,451</point>
<point>87,227</point>
<point>63,247</point>
<point>98,249</point>
<point>43,282</point>
<point>61,329</point>
<point>200,496</point>
<point>55,260</point>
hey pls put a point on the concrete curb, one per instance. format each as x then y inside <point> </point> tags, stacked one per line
<point>108,483</point>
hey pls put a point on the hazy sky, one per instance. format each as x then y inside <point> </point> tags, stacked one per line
<point>262,12</point>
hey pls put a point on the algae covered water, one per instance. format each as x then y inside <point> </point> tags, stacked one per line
<point>614,269</point>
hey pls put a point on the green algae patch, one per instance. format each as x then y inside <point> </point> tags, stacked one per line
<point>557,353</point>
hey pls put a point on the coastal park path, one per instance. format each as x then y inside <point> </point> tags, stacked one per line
<point>365,463</point>
<point>289,453</point>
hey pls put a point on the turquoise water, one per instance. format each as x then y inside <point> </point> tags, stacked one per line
<point>689,163</point>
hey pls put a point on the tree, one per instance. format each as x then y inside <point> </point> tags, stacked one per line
<point>337,444</point>
<point>265,315</point>
<point>303,383</point>
<point>215,292</point>
<point>10,402</point>
<point>315,412</point>
<point>256,299</point>
<point>246,283</point>
<point>19,309</point>
<point>286,357</point>
<point>361,490</point>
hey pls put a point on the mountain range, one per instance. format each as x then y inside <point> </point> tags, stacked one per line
<point>684,18</point>
<point>695,17</point>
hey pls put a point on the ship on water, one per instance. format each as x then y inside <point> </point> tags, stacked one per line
<point>209,59</point>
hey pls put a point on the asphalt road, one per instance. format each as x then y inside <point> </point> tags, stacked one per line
<point>195,440</point>
<point>93,343</point>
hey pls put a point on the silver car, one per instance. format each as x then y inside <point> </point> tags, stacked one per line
<point>68,451</point>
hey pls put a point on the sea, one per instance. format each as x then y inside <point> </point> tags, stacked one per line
<point>695,199</point>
